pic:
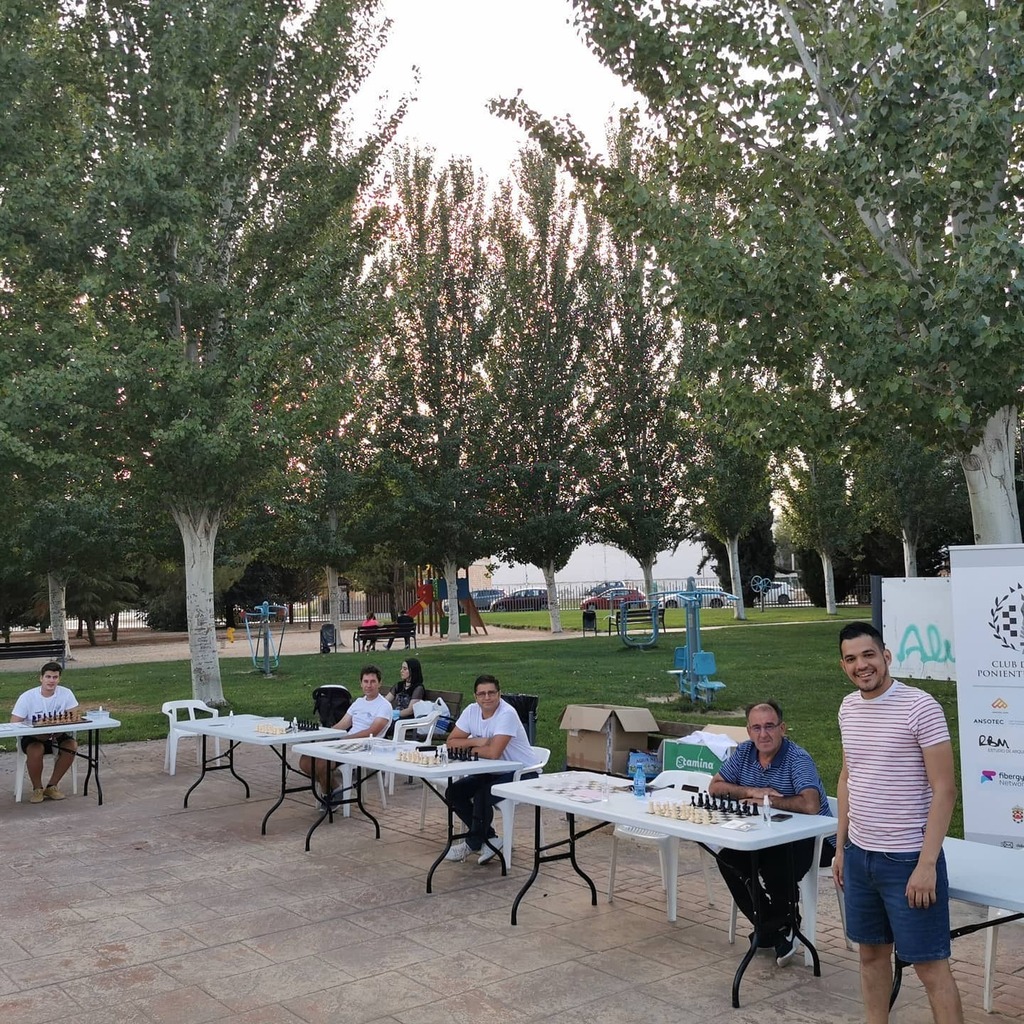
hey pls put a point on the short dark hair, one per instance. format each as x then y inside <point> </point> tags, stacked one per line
<point>370,670</point>
<point>763,704</point>
<point>52,666</point>
<point>852,630</point>
<point>480,680</point>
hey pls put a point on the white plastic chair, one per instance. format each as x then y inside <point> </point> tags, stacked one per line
<point>406,725</point>
<point>541,756</point>
<point>675,780</point>
<point>171,708</point>
<point>20,773</point>
<point>808,892</point>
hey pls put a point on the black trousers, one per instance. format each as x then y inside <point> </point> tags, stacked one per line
<point>776,891</point>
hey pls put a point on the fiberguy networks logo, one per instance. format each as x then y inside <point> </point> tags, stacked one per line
<point>1006,619</point>
<point>988,777</point>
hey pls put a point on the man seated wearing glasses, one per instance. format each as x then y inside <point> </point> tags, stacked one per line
<point>768,764</point>
<point>490,727</point>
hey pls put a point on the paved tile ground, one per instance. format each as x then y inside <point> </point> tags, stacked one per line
<point>140,911</point>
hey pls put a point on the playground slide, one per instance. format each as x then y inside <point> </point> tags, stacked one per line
<point>424,597</point>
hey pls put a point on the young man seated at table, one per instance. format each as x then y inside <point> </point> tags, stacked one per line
<point>769,764</point>
<point>369,715</point>
<point>48,698</point>
<point>491,727</point>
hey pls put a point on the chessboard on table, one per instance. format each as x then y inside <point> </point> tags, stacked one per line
<point>75,717</point>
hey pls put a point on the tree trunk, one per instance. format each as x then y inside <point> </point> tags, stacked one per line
<point>647,568</point>
<point>198,530</point>
<point>334,600</point>
<point>739,609</point>
<point>554,611</point>
<point>990,472</point>
<point>909,552</point>
<point>90,628</point>
<point>114,623</point>
<point>830,583</point>
<point>451,577</point>
<point>58,588</point>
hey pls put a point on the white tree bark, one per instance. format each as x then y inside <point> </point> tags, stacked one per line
<point>334,600</point>
<point>647,567</point>
<point>554,611</point>
<point>198,528</point>
<point>451,576</point>
<point>739,609</point>
<point>909,552</point>
<point>58,589</point>
<point>830,583</point>
<point>989,469</point>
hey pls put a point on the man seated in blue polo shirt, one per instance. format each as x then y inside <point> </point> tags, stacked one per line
<point>769,764</point>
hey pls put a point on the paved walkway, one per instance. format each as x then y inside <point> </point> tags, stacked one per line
<point>140,911</point>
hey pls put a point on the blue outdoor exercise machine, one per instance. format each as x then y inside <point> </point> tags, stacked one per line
<point>264,647</point>
<point>693,665</point>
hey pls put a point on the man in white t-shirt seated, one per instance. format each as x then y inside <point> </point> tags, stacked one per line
<point>369,715</point>
<point>492,729</point>
<point>48,698</point>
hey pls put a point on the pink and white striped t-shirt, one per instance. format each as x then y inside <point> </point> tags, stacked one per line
<point>889,795</point>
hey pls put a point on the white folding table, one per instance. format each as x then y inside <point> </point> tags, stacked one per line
<point>980,873</point>
<point>383,757</point>
<point>237,729</point>
<point>571,794</point>
<point>90,726</point>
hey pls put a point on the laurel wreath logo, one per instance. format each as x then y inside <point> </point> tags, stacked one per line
<point>994,624</point>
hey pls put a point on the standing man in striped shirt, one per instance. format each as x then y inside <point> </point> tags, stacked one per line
<point>896,794</point>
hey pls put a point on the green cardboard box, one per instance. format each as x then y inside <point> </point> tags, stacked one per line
<point>687,756</point>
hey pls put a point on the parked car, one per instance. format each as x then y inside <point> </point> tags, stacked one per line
<point>611,599</point>
<point>533,599</point>
<point>602,588</point>
<point>483,599</point>
<point>778,592</point>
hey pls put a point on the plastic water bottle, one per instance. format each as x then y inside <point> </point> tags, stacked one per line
<point>639,783</point>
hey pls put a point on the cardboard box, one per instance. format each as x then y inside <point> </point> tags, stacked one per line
<point>599,736</point>
<point>695,757</point>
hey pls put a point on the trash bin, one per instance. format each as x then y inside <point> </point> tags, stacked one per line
<point>328,638</point>
<point>589,621</point>
<point>526,707</point>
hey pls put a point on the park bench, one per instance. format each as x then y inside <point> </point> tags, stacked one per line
<point>366,637</point>
<point>44,650</point>
<point>637,616</point>
<point>450,697</point>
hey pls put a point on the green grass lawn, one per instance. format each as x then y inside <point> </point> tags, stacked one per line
<point>797,665</point>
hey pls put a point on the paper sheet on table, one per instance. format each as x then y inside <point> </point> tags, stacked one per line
<point>718,743</point>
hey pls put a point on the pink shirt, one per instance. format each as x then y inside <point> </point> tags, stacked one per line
<point>889,795</point>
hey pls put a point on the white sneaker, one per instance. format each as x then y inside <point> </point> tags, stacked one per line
<point>457,852</point>
<point>786,949</point>
<point>486,854</point>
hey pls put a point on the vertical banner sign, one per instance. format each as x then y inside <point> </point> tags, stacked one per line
<point>988,623</point>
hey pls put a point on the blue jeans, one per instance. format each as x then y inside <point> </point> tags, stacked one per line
<point>877,911</point>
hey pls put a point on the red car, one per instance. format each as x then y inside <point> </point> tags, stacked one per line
<point>612,599</point>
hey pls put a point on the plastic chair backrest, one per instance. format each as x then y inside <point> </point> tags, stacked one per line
<point>541,756</point>
<point>171,708</point>
<point>679,778</point>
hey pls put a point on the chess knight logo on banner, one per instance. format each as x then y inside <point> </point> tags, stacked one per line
<point>1006,619</point>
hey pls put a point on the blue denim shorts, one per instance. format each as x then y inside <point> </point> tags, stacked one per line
<point>877,911</point>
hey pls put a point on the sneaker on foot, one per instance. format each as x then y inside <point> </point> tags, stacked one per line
<point>786,948</point>
<point>458,851</point>
<point>52,793</point>
<point>37,796</point>
<point>486,854</point>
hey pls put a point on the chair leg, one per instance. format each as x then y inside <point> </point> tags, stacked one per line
<point>808,889</point>
<point>705,864</point>
<point>19,772</point>
<point>611,867</point>
<point>171,753</point>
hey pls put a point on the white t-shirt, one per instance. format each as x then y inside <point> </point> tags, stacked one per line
<point>365,712</point>
<point>504,722</point>
<point>32,702</point>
